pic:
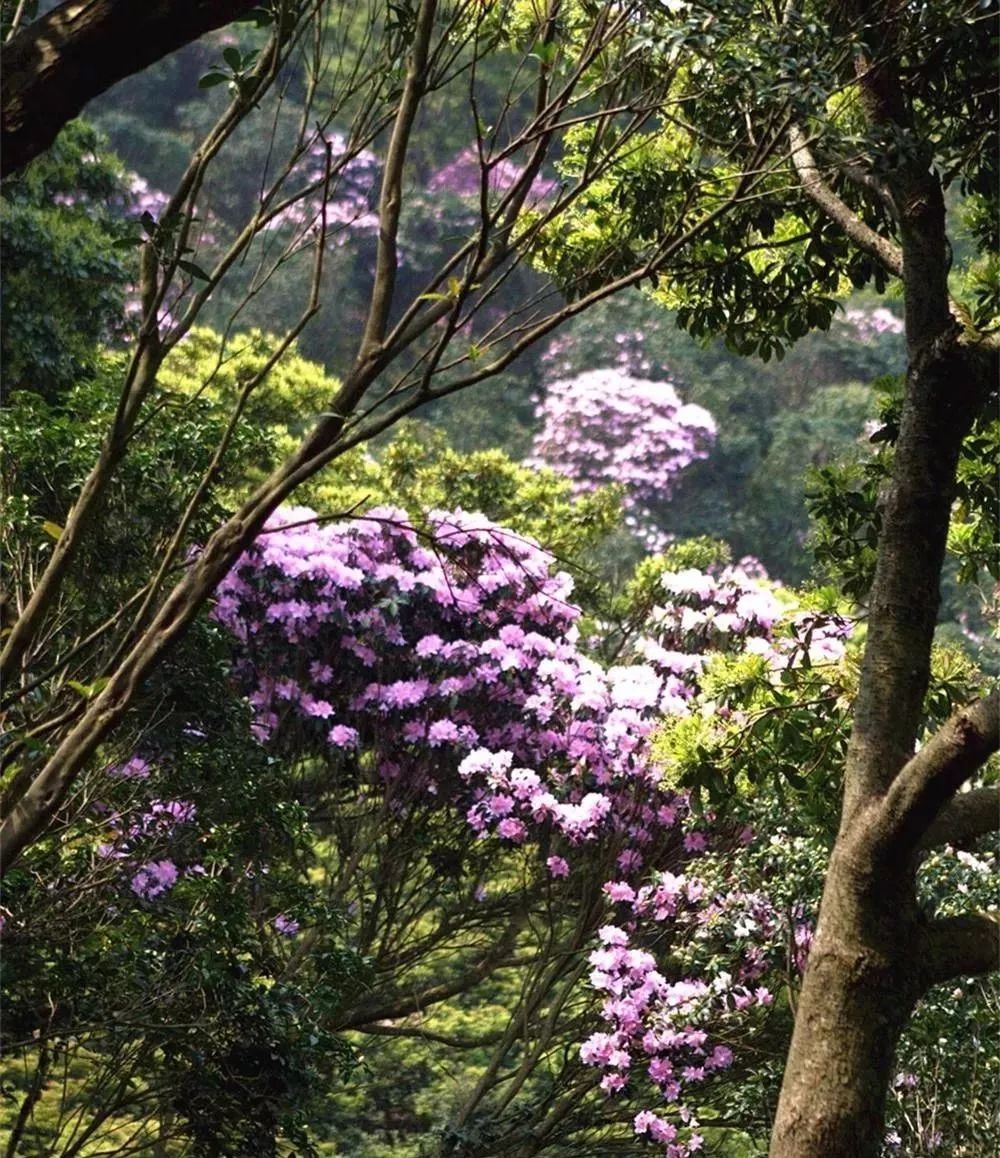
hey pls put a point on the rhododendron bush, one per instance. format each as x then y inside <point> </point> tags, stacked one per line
<point>442,667</point>
<point>605,426</point>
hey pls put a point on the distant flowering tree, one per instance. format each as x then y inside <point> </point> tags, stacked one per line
<point>467,173</point>
<point>605,426</point>
<point>338,183</point>
<point>871,324</point>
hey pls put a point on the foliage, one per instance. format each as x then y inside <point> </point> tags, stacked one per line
<point>66,264</point>
<point>149,957</point>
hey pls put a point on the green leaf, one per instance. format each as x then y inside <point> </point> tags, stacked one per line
<point>233,58</point>
<point>52,529</point>
<point>88,691</point>
<point>211,79</point>
<point>194,270</point>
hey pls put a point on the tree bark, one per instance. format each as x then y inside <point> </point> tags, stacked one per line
<point>55,65</point>
<point>875,953</point>
<point>866,968</point>
<point>856,998</point>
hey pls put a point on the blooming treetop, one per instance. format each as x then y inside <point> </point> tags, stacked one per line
<point>352,194</point>
<point>604,426</point>
<point>871,324</point>
<point>463,176</point>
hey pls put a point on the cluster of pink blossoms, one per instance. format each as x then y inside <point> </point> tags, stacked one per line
<point>656,1024</point>
<point>604,426</point>
<point>463,177</point>
<point>870,324</point>
<point>736,608</point>
<point>136,837</point>
<point>451,657</point>
<point>468,643</point>
<point>353,191</point>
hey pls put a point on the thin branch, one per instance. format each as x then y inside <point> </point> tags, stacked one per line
<point>391,1008</point>
<point>391,194</point>
<point>416,1031</point>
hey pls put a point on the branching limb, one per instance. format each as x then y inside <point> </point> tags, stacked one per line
<point>964,819</point>
<point>932,777</point>
<point>884,251</point>
<point>453,1041</point>
<point>965,946</point>
<point>392,1008</point>
<point>54,66</point>
<point>391,194</point>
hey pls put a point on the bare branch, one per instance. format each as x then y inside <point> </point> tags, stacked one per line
<point>393,1007</point>
<point>391,194</point>
<point>932,777</point>
<point>453,1041</point>
<point>884,251</point>
<point>964,819</point>
<point>965,946</point>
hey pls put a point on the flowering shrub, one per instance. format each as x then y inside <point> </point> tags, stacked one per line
<point>454,661</point>
<point>353,193</point>
<point>870,325</point>
<point>445,666</point>
<point>604,426</point>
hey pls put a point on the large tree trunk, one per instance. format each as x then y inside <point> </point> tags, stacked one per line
<point>856,999</point>
<point>875,953</point>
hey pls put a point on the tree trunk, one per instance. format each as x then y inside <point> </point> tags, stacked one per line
<point>860,988</point>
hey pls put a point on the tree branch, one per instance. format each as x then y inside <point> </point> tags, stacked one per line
<point>453,1041</point>
<point>932,777</point>
<point>884,251</point>
<point>964,819</point>
<point>391,194</point>
<point>965,946</point>
<point>395,1006</point>
<point>60,62</point>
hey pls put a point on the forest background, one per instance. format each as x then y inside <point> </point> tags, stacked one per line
<point>355,938</point>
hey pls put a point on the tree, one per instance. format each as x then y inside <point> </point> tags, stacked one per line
<point>862,103</point>
<point>884,108</point>
<point>906,83</point>
<point>875,952</point>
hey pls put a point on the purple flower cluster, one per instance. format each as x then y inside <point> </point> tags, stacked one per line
<point>658,1026</point>
<point>468,644</point>
<point>153,879</point>
<point>137,835</point>
<point>604,426</point>
<point>463,176</point>
<point>871,324</point>
<point>354,184</point>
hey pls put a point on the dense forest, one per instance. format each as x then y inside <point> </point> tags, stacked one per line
<point>499,526</point>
